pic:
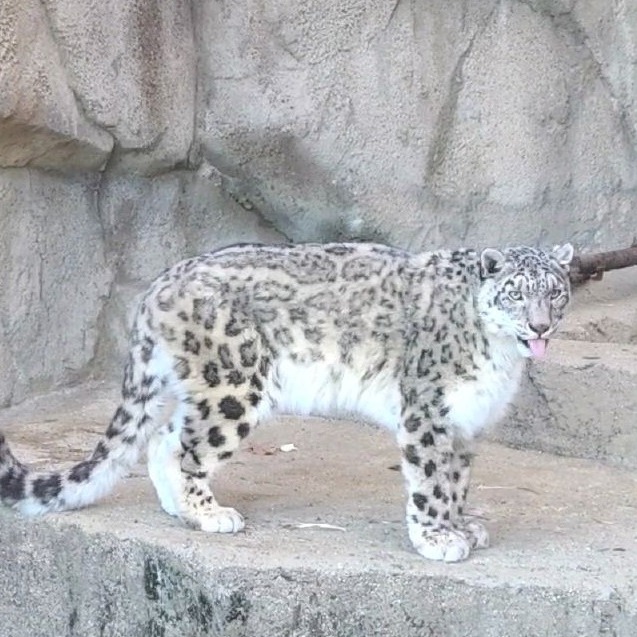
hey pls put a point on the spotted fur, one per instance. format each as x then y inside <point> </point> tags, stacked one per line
<point>430,345</point>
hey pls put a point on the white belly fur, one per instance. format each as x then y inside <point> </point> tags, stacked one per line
<point>331,390</point>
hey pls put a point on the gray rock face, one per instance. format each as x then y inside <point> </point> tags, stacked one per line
<point>135,133</point>
<point>55,276</point>
<point>41,122</point>
<point>472,122</point>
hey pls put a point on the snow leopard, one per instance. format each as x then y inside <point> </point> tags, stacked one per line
<point>430,345</point>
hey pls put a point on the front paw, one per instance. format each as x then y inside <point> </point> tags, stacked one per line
<point>444,544</point>
<point>214,519</point>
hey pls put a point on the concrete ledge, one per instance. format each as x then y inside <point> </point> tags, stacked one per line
<point>581,401</point>
<point>563,560</point>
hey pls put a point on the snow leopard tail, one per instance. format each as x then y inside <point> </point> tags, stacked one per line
<point>150,396</point>
<point>37,492</point>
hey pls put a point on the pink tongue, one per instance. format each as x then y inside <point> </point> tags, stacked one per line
<point>538,347</point>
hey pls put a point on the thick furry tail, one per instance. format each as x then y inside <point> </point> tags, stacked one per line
<point>33,492</point>
<point>148,403</point>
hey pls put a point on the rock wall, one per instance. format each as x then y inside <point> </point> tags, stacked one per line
<point>135,133</point>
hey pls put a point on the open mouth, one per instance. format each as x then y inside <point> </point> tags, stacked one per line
<point>537,346</point>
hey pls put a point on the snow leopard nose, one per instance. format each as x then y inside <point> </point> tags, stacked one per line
<point>539,328</point>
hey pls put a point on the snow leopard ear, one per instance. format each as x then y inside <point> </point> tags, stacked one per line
<point>563,254</point>
<point>491,262</point>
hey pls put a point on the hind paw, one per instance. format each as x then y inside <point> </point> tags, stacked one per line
<point>476,533</point>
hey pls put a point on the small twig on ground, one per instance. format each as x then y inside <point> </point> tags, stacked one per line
<point>484,487</point>
<point>316,525</point>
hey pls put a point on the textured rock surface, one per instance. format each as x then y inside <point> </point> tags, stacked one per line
<point>459,122</point>
<point>135,133</point>
<point>562,560</point>
<point>55,276</point>
<point>580,403</point>
<point>145,131</point>
<point>582,399</point>
<point>76,253</point>
<point>41,121</point>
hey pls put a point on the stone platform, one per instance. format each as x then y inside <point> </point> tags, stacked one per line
<point>563,559</point>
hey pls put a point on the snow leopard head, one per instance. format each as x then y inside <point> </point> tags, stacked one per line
<point>524,293</point>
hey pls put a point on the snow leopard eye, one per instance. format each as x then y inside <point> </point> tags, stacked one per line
<point>515,295</point>
<point>555,294</point>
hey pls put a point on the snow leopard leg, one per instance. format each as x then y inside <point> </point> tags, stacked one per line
<point>428,467</point>
<point>183,458</point>
<point>211,436</point>
<point>460,478</point>
<point>164,461</point>
<point>217,409</point>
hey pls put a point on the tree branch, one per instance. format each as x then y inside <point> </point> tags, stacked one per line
<point>588,267</point>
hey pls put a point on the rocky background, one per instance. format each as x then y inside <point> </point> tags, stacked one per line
<point>135,133</point>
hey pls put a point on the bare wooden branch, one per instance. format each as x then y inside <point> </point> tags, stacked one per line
<point>586,267</point>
